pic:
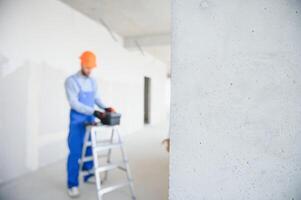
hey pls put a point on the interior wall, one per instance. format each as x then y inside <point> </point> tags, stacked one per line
<point>235,91</point>
<point>13,122</point>
<point>41,42</point>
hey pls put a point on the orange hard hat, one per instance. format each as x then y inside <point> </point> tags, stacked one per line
<point>88,59</point>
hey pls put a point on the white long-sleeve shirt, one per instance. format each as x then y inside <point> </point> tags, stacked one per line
<point>72,92</point>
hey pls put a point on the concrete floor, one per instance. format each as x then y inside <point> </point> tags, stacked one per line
<point>149,166</point>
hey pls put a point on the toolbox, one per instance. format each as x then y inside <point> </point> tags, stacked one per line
<point>111,118</point>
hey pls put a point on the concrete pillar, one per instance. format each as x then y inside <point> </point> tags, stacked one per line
<point>236,100</point>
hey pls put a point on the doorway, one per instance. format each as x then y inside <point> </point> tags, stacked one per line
<point>147,82</point>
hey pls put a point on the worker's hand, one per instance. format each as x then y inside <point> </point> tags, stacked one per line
<point>99,115</point>
<point>110,109</point>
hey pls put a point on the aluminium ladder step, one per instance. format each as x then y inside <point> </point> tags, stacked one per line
<point>87,159</point>
<point>90,158</point>
<point>87,172</point>
<point>107,167</point>
<point>89,143</point>
<point>106,146</point>
<point>114,187</point>
<point>111,166</point>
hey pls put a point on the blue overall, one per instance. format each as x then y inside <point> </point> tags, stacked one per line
<point>77,134</point>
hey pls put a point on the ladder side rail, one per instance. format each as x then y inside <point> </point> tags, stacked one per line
<point>84,148</point>
<point>127,166</point>
<point>109,154</point>
<point>96,163</point>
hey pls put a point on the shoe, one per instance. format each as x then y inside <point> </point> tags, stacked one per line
<point>73,192</point>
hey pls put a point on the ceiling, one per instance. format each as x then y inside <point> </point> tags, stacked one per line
<point>143,24</point>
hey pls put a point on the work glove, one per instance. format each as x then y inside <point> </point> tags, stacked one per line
<point>99,115</point>
<point>110,109</point>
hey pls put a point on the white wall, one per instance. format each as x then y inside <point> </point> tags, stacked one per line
<point>236,100</point>
<point>40,43</point>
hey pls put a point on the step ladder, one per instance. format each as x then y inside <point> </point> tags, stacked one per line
<point>98,149</point>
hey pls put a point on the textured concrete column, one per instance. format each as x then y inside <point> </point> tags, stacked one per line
<point>236,100</point>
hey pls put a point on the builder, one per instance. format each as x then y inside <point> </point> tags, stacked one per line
<point>82,94</point>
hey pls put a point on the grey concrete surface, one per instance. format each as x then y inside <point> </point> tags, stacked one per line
<point>235,100</point>
<point>148,161</point>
